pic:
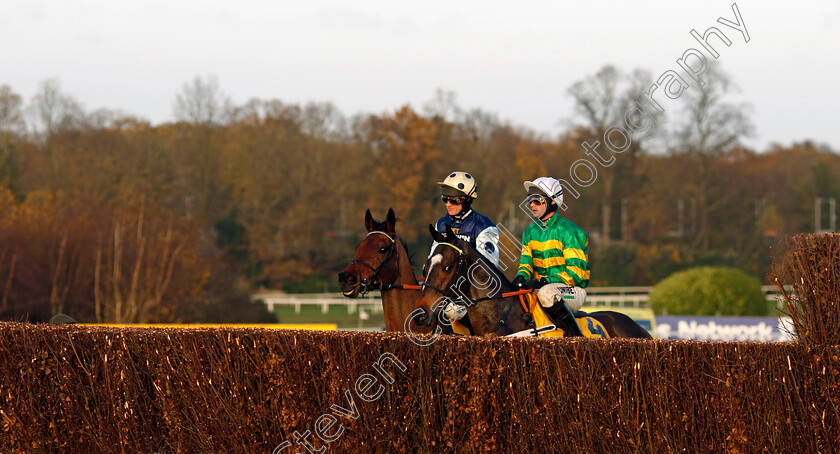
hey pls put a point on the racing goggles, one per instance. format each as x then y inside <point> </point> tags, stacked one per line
<point>537,198</point>
<point>453,200</point>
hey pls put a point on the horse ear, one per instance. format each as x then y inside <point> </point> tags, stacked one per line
<point>450,234</point>
<point>435,234</point>
<point>391,220</point>
<point>370,222</point>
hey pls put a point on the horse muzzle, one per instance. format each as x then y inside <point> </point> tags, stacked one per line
<point>348,283</point>
<point>426,318</point>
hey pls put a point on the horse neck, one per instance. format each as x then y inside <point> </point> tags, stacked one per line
<point>490,312</point>
<point>405,275</point>
<point>490,290</point>
<point>398,303</point>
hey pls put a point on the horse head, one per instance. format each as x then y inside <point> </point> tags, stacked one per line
<point>374,262</point>
<point>457,273</point>
<point>440,272</point>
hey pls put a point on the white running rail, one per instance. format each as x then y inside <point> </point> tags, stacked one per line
<point>595,296</point>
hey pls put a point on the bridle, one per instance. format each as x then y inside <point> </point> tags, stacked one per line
<point>370,282</point>
<point>462,260</point>
<point>465,301</point>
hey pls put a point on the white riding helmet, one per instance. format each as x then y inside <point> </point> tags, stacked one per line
<point>547,186</point>
<point>461,182</point>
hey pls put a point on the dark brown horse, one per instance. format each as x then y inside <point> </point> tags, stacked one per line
<point>457,272</point>
<point>382,262</point>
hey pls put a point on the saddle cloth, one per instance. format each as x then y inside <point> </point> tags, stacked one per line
<point>460,328</point>
<point>588,325</point>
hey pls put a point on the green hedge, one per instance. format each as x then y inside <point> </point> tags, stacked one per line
<point>709,291</point>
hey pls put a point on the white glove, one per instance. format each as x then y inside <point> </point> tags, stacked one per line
<point>454,311</point>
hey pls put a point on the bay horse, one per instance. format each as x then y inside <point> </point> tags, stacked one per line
<point>457,272</point>
<point>382,262</point>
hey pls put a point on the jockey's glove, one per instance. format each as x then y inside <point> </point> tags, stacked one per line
<point>519,281</point>
<point>534,284</point>
<point>454,311</point>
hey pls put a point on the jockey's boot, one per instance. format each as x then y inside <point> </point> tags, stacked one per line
<point>564,318</point>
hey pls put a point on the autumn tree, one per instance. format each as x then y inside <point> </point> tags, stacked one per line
<point>404,146</point>
<point>280,190</point>
<point>12,129</point>
<point>711,126</point>
<point>202,102</point>
<point>141,263</point>
<point>118,261</point>
<point>42,255</point>
<point>53,111</point>
<point>477,141</point>
<point>12,121</point>
<point>289,200</point>
<point>605,101</point>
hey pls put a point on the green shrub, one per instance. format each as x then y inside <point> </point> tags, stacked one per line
<point>709,291</point>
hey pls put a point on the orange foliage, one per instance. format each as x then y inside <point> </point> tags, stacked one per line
<point>102,262</point>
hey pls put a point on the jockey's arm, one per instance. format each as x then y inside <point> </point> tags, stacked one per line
<point>487,243</point>
<point>575,268</point>
<point>526,262</point>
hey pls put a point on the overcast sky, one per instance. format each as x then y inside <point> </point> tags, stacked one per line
<point>514,59</point>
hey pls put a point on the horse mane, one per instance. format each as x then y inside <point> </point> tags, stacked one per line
<point>410,255</point>
<point>471,251</point>
<point>383,227</point>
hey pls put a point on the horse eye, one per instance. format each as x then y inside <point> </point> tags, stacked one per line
<point>383,250</point>
<point>447,267</point>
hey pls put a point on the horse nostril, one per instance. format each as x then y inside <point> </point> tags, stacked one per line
<point>350,278</point>
<point>425,318</point>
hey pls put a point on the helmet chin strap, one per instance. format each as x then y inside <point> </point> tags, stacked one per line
<point>465,208</point>
<point>549,209</point>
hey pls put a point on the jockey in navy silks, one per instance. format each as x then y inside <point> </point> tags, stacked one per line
<point>457,192</point>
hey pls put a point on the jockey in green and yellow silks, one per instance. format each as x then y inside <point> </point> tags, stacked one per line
<point>554,256</point>
<point>557,251</point>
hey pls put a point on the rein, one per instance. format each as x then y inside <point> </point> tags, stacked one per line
<point>387,286</point>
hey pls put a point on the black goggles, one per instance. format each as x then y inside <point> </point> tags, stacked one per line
<point>453,200</point>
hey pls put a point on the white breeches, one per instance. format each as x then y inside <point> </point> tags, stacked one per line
<point>551,294</point>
